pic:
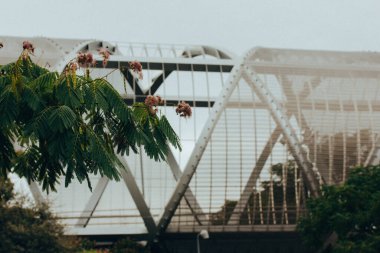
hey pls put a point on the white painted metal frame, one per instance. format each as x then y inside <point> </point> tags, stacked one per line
<point>92,202</point>
<point>190,199</point>
<point>36,193</point>
<point>200,146</point>
<point>241,70</point>
<point>279,116</point>
<point>251,183</point>
<point>137,196</point>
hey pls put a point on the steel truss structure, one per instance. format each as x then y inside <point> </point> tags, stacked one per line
<point>269,128</point>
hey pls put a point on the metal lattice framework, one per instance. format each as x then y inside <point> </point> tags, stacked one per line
<point>268,129</point>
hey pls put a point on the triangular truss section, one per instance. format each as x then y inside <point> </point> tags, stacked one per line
<point>186,218</point>
<point>282,126</point>
<point>229,155</point>
<point>116,208</point>
<point>196,155</point>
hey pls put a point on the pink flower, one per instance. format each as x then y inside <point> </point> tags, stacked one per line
<point>26,45</point>
<point>28,49</point>
<point>160,100</point>
<point>137,68</point>
<point>85,60</point>
<point>105,54</point>
<point>183,109</point>
<point>151,101</point>
<point>90,58</point>
<point>154,100</point>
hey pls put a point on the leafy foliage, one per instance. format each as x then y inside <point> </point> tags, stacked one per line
<point>71,125</point>
<point>28,229</point>
<point>351,210</point>
<point>123,245</point>
<point>126,245</point>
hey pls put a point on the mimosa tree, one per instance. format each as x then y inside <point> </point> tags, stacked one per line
<point>64,124</point>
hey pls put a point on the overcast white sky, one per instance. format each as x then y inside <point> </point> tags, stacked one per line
<point>234,25</point>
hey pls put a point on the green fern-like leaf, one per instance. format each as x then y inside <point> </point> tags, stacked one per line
<point>31,98</point>
<point>116,102</point>
<point>9,107</point>
<point>39,125</point>
<point>67,95</point>
<point>28,159</point>
<point>161,141</point>
<point>4,81</point>
<point>167,129</point>
<point>7,153</point>
<point>61,118</point>
<point>43,81</point>
<point>151,147</point>
<point>103,157</point>
<point>140,113</point>
<point>37,71</point>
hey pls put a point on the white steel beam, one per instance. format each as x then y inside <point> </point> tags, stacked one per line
<point>190,199</point>
<point>92,202</point>
<point>200,147</point>
<point>137,197</point>
<point>160,61</point>
<point>374,153</point>
<point>312,69</point>
<point>36,193</point>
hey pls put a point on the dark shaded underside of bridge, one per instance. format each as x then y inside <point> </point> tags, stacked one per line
<point>270,242</point>
<point>237,242</point>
